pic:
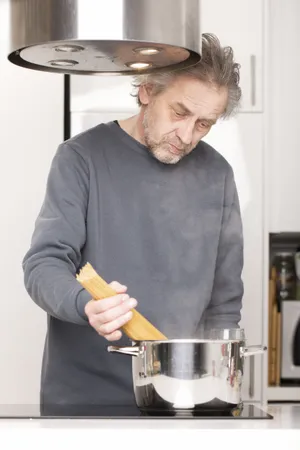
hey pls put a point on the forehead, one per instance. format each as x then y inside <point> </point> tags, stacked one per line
<point>197,96</point>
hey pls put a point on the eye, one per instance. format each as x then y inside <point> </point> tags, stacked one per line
<point>203,125</point>
<point>178,114</point>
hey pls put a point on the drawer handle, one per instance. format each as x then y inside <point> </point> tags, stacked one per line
<point>253,79</point>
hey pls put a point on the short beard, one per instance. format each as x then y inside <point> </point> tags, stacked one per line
<point>154,147</point>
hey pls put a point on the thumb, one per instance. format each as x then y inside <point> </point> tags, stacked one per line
<point>118,287</point>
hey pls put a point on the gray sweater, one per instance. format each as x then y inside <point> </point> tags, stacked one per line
<point>171,233</point>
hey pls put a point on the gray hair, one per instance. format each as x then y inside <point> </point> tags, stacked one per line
<point>217,66</point>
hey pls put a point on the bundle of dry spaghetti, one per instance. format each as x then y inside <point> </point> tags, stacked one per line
<point>138,328</point>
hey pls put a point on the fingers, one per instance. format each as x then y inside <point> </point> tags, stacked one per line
<point>110,327</point>
<point>115,336</point>
<point>107,316</point>
<point>100,306</point>
<point>119,288</point>
<point>113,313</point>
<point>112,319</point>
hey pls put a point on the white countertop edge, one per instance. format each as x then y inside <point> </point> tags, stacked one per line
<point>285,416</point>
<point>281,432</point>
<point>146,439</point>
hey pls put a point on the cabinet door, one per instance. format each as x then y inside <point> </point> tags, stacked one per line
<point>240,141</point>
<point>239,24</point>
<point>284,112</point>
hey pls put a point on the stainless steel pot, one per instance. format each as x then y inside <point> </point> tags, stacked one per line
<point>183,374</point>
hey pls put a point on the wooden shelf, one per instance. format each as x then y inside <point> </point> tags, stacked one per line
<point>280,394</point>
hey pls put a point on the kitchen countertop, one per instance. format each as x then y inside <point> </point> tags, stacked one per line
<point>283,431</point>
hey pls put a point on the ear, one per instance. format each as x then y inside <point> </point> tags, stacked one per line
<point>145,94</point>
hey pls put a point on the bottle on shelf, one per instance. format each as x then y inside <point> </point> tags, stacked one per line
<point>285,277</point>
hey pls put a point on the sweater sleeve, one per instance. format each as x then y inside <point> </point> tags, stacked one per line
<point>224,310</point>
<point>54,256</point>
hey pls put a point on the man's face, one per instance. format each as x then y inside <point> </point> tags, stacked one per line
<point>178,118</point>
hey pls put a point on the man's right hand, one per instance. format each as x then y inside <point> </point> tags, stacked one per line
<point>107,316</point>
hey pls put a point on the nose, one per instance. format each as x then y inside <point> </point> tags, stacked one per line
<point>185,132</point>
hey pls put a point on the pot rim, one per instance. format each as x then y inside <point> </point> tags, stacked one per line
<point>189,341</point>
<point>218,336</point>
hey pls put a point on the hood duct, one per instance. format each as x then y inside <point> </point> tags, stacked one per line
<point>113,37</point>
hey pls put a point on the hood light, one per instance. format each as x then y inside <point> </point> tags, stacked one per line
<point>139,65</point>
<point>147,51</point>
<point>69,48</point>
<point>63,63</point>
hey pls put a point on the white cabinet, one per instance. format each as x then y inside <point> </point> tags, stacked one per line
<point>285,184</point>
<point>240,24</point>
<point>284,100</point>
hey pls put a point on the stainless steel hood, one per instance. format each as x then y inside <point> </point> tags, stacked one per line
<point>139,36</point>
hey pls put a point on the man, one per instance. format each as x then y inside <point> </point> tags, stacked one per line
<point>148,204</point>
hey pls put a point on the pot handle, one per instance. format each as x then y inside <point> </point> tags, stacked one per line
<point>131,351</point>
<point>252,350</point>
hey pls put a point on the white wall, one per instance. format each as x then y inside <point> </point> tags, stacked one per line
<point>31,127</point>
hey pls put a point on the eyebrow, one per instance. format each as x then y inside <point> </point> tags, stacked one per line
<point>187,111</point>
<point>183,107</point>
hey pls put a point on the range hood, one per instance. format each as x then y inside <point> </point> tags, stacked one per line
<point>118,37</point>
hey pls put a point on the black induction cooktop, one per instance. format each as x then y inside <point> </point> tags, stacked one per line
<point>246,411</point>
